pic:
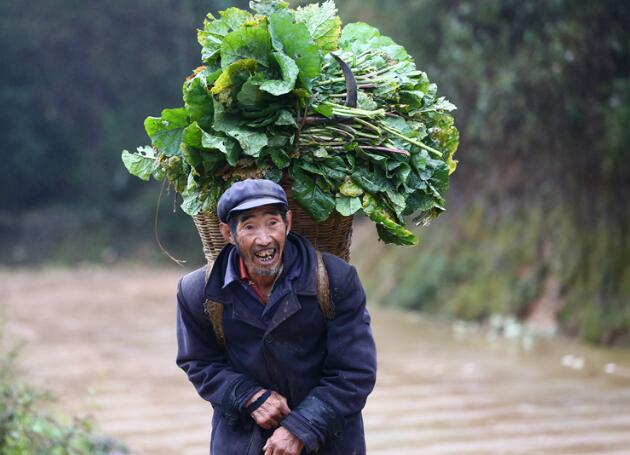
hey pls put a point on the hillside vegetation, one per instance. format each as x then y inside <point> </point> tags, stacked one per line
<point>538,206</point>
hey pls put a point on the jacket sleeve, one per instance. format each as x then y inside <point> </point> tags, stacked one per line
<point>349,369</point>
<point>203,359</point>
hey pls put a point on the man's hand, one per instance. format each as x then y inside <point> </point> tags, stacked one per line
<point>271,412</point>
<point>282,442</point>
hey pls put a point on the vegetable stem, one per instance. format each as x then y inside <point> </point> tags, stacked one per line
<point>386,149</point>
<point>411,141</point>
<point>369,125</point>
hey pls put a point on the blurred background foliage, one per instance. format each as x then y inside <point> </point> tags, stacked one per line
<point>29,425</point>
<point>538,208</point>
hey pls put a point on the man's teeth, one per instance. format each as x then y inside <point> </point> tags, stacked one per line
<point>266,255</point>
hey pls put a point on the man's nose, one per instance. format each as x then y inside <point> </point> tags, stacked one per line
<point>263,237</point>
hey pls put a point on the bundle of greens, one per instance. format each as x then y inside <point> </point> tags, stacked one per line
<point>343,113</point>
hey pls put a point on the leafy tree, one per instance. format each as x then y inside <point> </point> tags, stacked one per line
<point>80,78</point>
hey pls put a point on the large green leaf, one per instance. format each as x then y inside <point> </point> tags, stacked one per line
<point>250,96</point>
<point>347,206</point>
<point>141,164</point>
<point>280,158</point>
<point>447,138</point>
<point>396,198</point>
<point>191,204</point>
<point>198,101</point>
<point>192,135</point>
<point>359,37</point>
<point>233,76</point>
<point>322,23</point>
<point>389,230</point>
<point>396,234</point>
<point>211,161</point>
<point>225,145</point>
<point>251,141</point>
<point>166,131</point>
<point>419,201</point>
<point>248,42</point>
<point>285,118</point>
<point>206,143</point>
<point>215,30</point>
<point>295,41</point>
<point>310,196</point>
<point>267,7</point>
<point>439,178</point>
<point>193,157</point>
<point>371,181</point>
<point>289,71</point>
<point>387,45</point>
<point>419,160</point>
<point>357,32</point>
<point>350,189</point>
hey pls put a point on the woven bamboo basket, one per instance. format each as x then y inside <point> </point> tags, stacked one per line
<point>333,235</point>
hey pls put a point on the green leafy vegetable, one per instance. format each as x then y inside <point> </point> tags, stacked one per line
<point>307,193</point>
<point>295,41</point>
<point>322,23</point>
<point>267,7</point>
<point>273,100</point>
<point>350,189</point>
<point>166,131</point>
<point>389,230</point>
<point>251,141</point>
<point>347,206</point>
<point>215,30</point>
<point>198,101</point>
<point>141,164</point>
<point>289,72</point>
<point>248,42</point>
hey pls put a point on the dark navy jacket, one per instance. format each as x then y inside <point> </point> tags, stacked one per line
<point>325,369</point>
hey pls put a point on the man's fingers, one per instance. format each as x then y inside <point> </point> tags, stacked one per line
<point>265,425</point>
<point>274,423</point>
<point>271,413</point>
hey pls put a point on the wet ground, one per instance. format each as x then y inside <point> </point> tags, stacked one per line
<point>103,341</point>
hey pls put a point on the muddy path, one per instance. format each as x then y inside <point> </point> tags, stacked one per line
<point>103,341</point>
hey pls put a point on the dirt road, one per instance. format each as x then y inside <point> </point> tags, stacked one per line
<point>103,341</point>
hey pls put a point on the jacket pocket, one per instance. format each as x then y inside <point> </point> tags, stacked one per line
<point>227,440</point>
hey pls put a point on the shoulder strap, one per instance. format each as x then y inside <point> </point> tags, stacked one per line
<point>214,310</point>
<point>323,289</point>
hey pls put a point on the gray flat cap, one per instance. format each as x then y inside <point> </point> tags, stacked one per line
<point>249,194</point>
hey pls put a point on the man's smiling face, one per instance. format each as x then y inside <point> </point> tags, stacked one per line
<point>260,235</point>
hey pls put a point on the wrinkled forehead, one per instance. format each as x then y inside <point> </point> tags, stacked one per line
<point>270,209</point>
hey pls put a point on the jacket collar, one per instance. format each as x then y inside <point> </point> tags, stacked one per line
<point>298,251</point>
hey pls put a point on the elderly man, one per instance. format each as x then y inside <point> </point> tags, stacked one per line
<point>282,377</point>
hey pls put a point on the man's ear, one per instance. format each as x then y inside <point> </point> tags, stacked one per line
<point>226,233</point>
<point>289,220</point>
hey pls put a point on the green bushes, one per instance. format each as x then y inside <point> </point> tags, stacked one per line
<point>479,261</point>
<point>28,427</point>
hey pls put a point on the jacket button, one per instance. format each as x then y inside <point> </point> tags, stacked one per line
<point>269,339</point>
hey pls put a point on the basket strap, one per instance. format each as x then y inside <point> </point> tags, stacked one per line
<point>214,310</point>
<point>323,289</point>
